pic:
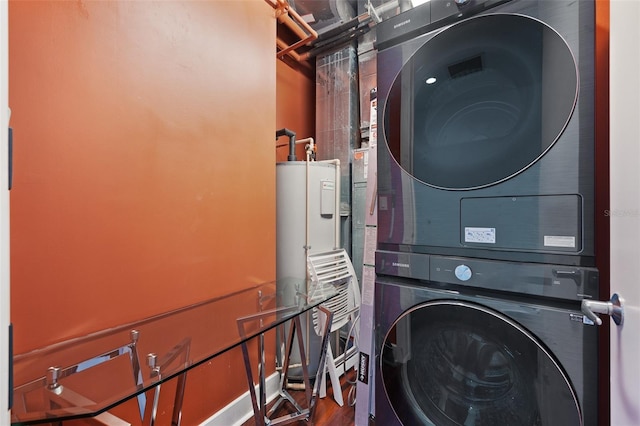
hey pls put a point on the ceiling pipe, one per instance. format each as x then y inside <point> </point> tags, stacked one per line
<point>295,55</point>
<point>376,12</point>
<point>301,59</point>
<point>295,25</point>
<point>285,19</point>
<point>322,44</point>
<point>289,17</point>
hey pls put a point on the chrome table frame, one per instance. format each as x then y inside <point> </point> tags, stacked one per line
<point>262,417</point>
<point>56,383</point>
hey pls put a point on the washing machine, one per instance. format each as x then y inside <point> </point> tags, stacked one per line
<point>486,343</point>
<point>486,139</point>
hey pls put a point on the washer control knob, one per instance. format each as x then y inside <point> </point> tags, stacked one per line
<point>463,272</point>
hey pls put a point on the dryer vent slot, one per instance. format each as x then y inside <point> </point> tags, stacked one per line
<point>466,67</point>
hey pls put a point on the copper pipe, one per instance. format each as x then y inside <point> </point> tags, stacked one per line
<point>272,3</point>
<point>298,25</point>
<point>304,40</point>
<point>297,57</point>
<point>290,48</point>
<point>302,22</point>
<point>285,19</point>
<point>289,17</point>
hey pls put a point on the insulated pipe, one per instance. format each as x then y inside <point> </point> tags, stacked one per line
<point>292,142</point>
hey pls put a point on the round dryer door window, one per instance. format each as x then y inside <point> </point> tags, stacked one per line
<point>457,363</point>
<point>481,101</point>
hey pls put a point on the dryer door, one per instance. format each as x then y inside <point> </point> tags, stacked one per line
<point>458,363</point>
<point>480,101</point>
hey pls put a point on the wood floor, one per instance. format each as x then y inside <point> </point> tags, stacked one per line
<point>327,411</point>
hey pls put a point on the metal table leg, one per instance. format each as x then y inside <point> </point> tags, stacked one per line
<point>259,407</point>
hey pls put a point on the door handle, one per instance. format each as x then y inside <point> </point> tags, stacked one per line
<point>614,308</point>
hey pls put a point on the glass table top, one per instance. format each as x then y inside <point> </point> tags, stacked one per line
<point>58,382</point>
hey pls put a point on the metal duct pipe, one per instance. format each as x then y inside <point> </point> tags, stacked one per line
<point>337,123</point>
<point>405,5</point>
<point>376,12</point>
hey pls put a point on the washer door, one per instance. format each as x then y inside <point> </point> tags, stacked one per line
<point>458,363</point>
<point>480,101</point>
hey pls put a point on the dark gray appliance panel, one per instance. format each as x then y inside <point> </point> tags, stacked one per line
<point>418,216</point>
<point>443,356</point>
<point>531,223</point>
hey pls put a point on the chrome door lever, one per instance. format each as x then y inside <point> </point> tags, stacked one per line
<point>613,308</point>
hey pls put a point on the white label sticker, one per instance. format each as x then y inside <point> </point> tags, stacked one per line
<point>559,241</point>
<point>370,238</point>
<point>368,284</point>
<point>480,235</point>
<point>587,321</point>
<point>328,185</point>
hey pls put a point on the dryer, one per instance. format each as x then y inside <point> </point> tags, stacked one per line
<point>486,343</point>
<point>486,115</point>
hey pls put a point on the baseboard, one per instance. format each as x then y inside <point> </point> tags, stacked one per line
<point>240,410</point>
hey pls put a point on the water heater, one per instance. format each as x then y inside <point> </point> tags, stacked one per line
<point>307,222</point>
<point>305,214</point>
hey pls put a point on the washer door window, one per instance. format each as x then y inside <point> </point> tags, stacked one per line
<point>456,363</point>
<point>481,101</point>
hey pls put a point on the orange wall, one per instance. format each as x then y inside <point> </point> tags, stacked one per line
<point>295,106</point>
<point>144,175</point>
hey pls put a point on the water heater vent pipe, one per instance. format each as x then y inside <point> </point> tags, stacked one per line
<point>292,142</point>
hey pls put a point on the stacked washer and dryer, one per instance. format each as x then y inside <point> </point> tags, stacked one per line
<point>486,215</point>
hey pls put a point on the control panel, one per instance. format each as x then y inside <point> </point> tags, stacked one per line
<point>546,280</point>
<point>427,17</point>
<point>557,281</point>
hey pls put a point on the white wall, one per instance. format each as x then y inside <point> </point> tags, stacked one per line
<point>4,212</point>
<point>625,208</point>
